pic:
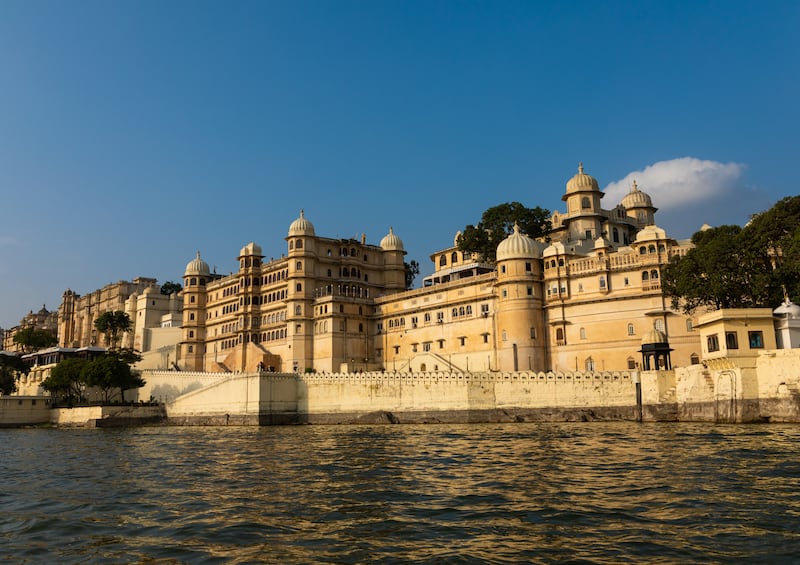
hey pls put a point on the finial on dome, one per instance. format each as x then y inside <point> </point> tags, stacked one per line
<point>198,254</point>
<point>391,230</point>
<point>580,167</point>
<point>516,227</point>
<point>634,187</point>
<point>302,213</point>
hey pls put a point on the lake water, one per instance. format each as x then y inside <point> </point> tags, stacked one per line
<point>536,493</point>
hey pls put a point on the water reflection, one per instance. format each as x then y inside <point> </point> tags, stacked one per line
<point>600,493</point>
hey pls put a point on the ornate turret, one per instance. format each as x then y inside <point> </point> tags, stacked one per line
<point>639,205</point>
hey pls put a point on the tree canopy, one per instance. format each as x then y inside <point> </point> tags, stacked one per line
<point>11,366</point>
<point>106,372</point>
<point>497,223</point>
<point>412,270</point>
<point>32,339</point>
<point>112,325</point>
<point>170,287</point>
<point>734,267</point>
<point>65,379</point>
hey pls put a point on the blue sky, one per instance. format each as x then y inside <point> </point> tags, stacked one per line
<point>133,134</point>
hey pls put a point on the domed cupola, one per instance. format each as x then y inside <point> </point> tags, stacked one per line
<point>655,350</point>
<point>251,249</point>
<point>391,242</point>
<point>636,198</point>
<point>581,183</point>
<point>197,267</point>
<point>517,246</point>
<point>639,206</point>
<point>301,226</point>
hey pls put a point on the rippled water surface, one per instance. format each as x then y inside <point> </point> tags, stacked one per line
<point>538,493</point>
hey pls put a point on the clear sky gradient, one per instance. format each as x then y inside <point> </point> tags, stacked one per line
<point>134,133</point>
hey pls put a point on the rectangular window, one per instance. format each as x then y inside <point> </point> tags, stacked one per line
<point>713,343</point>
<point>530,291</point>
<point>439,317</point>
<point>756,340</point>
<point>527,267</point>
<point>731,340</point>
<point>533,333</point>
<point>426,346</point>
<point>396,349</point>
<point>462,340</point>
<point>427,316</point>
<point>485,338</point>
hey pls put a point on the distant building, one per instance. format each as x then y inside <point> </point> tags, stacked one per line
<point>583,299</point>
<point>41,320</point>
<point>140,298</point>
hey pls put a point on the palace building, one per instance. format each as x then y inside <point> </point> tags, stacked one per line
<point>587,298</point>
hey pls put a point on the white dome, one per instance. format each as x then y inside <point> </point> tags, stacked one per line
<point>582,182</point>
<point>651,233</point>
<point>654,336</point>
<point>301,226</point>
<point>636,199</point>
<point>197,267</point>
<point>788,309</point>
<point>517,246</point>
<point>391,242</point>
<point>251,249</point>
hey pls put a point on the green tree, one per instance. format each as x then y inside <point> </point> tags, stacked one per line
<point>733,267</point>
<point>497,223</point>
<point>65,379</point>
<point>111,371</point>
<point>412,270</point>
<point>11,367</point>
<point>170,287</point>
<point>112,325</point>
<point>32,339</point>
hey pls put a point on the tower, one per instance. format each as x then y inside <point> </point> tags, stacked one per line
<point>639,207</point>
<point>583,207</point>
<point>192,347</point>
<point>300,294</point>
<point>520,319</point>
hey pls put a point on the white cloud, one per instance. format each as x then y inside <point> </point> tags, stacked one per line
<point>7,240</point>
<point>679,182</point>
<point>690,192</point>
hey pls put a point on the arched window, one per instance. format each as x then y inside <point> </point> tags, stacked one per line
<point>299,244</point>
<point>442,260</point>
<point>191,316</point>
<point>299,266</point>
<point>560,334</point>
<point>585,202</point>
<point>454,257</point>
<point>602,282</point>
<point>469,310</point>
<point>589,364</point>
<point>561,262</point>
<point>291,245</point>
<point>642,250</point>
<point>694,359</point>
<point>615,235</point>
<point>631,329</point>
<point>455,313</point>
<point>645,276</point>
<point>583,333</point>
<point>653,275</point>
<point>298,310</point>
<point>651,249</point>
